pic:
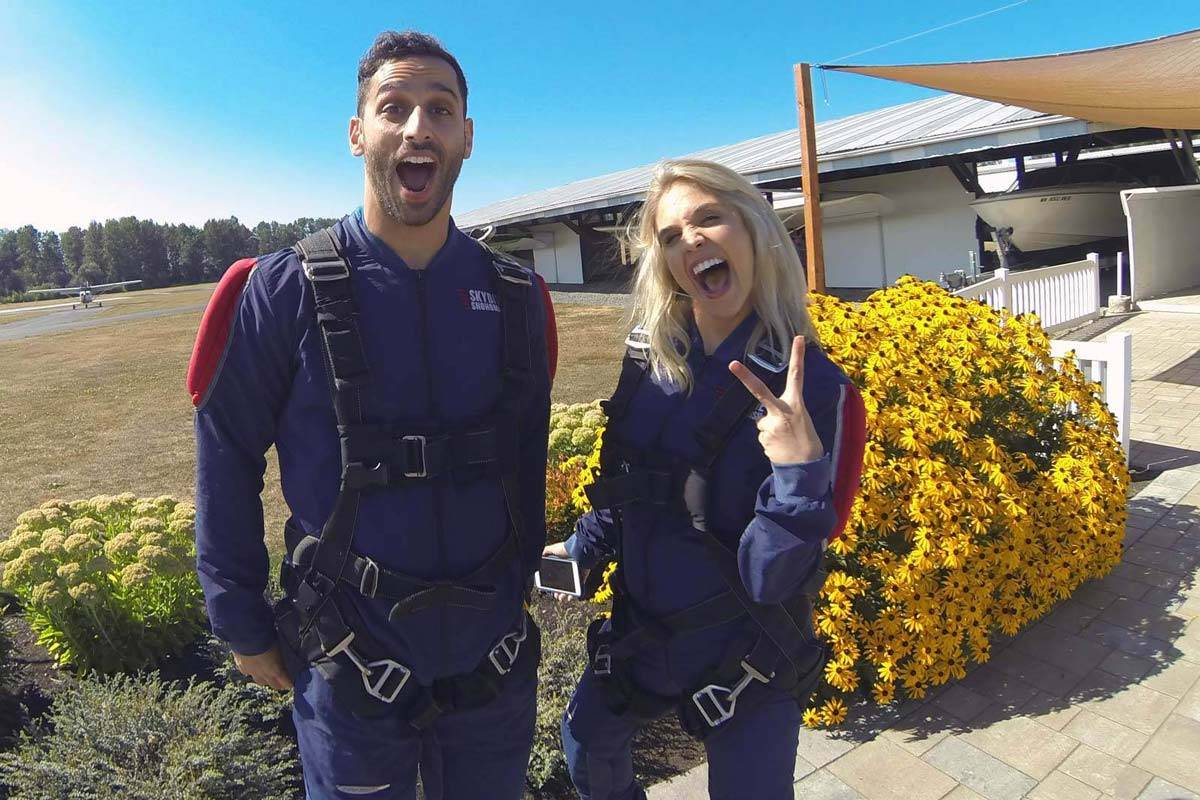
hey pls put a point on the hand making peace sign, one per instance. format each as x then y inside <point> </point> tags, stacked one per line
<point>786,431</point>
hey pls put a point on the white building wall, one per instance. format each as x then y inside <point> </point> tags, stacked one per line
<point>561,260</point>
<point>854,253</point>
<point>1164,239</point>
<point>930,229</point>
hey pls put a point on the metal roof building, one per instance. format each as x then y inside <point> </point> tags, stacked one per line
<point>898,181</point>
<point>908,134</point>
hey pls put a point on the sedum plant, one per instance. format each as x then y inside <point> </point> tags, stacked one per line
<point>108,583</point>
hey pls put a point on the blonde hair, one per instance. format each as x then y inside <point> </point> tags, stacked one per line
<point>662,309</point>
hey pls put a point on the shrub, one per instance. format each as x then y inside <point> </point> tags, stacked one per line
<point>562,476</point>
<point>993,486</point>
<point>107,583</point>
<point>573,429</point>
<point>140,739</point>
<point>564,657</point>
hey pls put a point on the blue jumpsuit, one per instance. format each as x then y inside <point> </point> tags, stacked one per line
<point>432,344</point>
<point>777,514</point>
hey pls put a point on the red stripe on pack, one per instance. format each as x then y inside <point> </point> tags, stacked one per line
<point>848,454</point>
<point>215,327</point>
<point>551,329</point>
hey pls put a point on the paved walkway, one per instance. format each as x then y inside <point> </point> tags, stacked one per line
<point>1101,698</point>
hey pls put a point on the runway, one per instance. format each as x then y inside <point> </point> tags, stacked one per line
<point>80,319</point>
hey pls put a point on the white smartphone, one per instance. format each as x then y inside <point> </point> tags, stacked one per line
<point>558,576</point>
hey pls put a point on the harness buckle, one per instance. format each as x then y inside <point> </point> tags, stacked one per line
<point>769,357</point>
<point>504,655</point>
<point>361,475</point>
<point>602,661</point>
<point>377,687</point>
<point>416,446</point>
<point>332,270</point>
<point>711,707</point>
<point>370,578</point>
<point>511,272</point>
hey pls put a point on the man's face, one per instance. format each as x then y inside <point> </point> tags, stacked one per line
<point>414,137</point>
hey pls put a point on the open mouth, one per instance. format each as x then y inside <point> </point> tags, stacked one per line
<point>416,172</point>
<point>712,276</point>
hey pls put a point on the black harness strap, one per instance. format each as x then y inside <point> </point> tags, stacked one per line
<point>512,289</point>
<point>328,273</point>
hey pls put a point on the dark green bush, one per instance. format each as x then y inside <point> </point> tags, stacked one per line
<point>138,738</point>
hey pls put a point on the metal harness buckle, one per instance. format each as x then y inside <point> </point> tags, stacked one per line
<point>416,444</point>
<point>512,272</point>
<point>602,661</point>
<point>509,651</point>
<point>376,687</point>
<point>370,577</point>
<point>334,270</point>
<point>767,356</point>
<point>716,713</point>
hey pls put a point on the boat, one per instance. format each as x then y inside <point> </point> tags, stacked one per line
<point>1056,216</point>
<point>835,207</point>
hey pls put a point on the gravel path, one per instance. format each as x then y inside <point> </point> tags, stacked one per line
<point>613,293</point>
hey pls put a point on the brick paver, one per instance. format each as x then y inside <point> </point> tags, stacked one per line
<point>1101,698</point>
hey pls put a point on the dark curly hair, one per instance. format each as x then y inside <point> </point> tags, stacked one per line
<point>397,45</point>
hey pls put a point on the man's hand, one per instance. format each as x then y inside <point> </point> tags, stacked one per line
<point>786,431</point>
<point>265,669</point>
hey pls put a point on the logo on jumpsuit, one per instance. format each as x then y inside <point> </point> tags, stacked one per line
<point>478,300</point>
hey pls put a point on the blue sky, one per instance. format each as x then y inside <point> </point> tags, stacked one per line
<point>185,111</point>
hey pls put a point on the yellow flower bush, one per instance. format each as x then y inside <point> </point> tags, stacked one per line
<point>993,486</point>
<point>108,583</point>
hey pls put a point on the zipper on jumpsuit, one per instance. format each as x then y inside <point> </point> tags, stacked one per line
<point>423,306</point>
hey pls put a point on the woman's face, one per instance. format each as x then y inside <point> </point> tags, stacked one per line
<point>708,250</point>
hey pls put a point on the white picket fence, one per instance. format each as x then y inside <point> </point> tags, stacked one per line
<point>1062,296</point>
<point>1109,363</point>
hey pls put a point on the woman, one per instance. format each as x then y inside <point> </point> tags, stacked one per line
<point>716,496</point>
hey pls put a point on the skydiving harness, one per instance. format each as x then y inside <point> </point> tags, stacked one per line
<point>316,618</point>
<point>777,647</point>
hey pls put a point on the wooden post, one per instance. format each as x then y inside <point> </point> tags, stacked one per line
<point>815,255</point>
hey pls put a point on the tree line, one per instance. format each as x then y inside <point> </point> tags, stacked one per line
<point>128,249</point>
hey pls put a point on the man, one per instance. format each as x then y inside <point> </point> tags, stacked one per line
<point>402,372</point>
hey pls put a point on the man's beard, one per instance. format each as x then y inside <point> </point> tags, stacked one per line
<point>381,171</point>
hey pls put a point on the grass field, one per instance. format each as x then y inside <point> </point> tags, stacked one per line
<point>104,410</point>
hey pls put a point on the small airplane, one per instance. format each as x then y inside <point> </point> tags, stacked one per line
<point>86,292</point>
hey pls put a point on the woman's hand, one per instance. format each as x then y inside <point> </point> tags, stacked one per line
<point>786,431</point>
<point>558,550</point>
